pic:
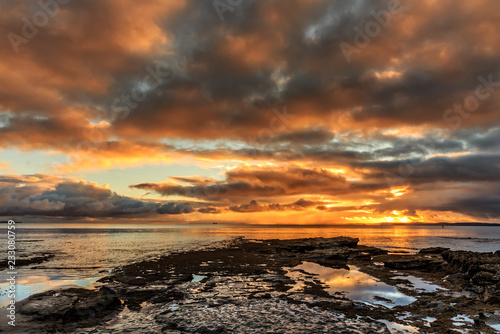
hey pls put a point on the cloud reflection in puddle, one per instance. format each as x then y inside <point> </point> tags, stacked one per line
<point>351,283</point>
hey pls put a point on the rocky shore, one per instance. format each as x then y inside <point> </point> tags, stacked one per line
<point>315,285</point>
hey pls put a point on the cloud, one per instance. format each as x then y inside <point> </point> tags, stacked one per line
<point>466,168</point>
<point>478,200</point>
<point>5,167</point>
<point>255,206</point>
<point>210,210</point>
<point>261,182</point>
<point>308,136</point>
<point>230,77</point>
<point>41,195</point>
<point>173,208</point>
<point>267,99</point>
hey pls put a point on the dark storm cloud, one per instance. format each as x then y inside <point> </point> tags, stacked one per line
<point>262,182</point>
<point>478,206</point>
<point>467,168</point>
<point>481,139</point>
<point>210,210</point>
<point>255,206</point>
<point>227,77</point>
<point>310,136</point>
<point>41,195</point>
<point>400,146</point>
<point>175,208</point>
<point>232,191</point>
<point>479,200</point>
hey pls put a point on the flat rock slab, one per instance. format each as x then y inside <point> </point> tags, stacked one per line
<point>410,262</point>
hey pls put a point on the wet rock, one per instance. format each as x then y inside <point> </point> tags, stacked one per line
<point>469,262</point>
<point>439,307</point>
<point>408,262</point>
<point>335,254</point>
<point>29,260</point>
<point>493,268</point>
<point>492,298</point>
<point>477,289</point>
<point>311,244</point>
<point>456,278</point>
<point>483,270</point>
<point>360,256</point>
<point>171,295</point>
<point>135,297</point>
<point>70,305</point>
<point>50,304</point>
<point>93,307</point>
<point>371,250</point>
<point>343,242</point>
<point>485,278</point>
<point>433,250</point>
<point>268,316</point>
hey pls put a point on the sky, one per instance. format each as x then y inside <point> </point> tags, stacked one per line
<point>245,111</point>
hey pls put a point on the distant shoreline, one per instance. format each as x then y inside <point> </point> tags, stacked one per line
<point>222,224</point>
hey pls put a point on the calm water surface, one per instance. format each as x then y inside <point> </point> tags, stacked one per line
<point>84,253</point>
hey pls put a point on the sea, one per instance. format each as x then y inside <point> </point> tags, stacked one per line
<point>83,253</point>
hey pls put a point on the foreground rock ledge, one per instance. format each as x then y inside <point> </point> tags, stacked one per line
<point>243,287</point>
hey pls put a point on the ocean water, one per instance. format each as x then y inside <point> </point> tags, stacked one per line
<point>84,253</point>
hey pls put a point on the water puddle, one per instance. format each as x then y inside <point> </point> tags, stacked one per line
<point>429,321</point>
<point>398,328</point>
<point>198,278</point>
<point>173,307</point>
<point>496,327</point>
<point>461,320</point>
<point>25,286</point>
<point>351,283</point>
<point>404,315</point>
<point>419,284</point>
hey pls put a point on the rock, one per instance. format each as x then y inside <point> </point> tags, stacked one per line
<point>438,307</point>
<point>371,250</point>
<point>361,256</point>
<point>407,262</point>
<point>326,243</point>
<point>484,278</point>
<point>30,260</point>
<point>477,289</point>
<point>493,268</point>
<point>343,242</point>
<point>311,244</point>
<point>469,262</point>
<point>70,305</point>
<point>333,254</point>
<point>217,330</point>
<point>456,278</point>
<point>433,250</point>
<point>94,306</point>
<point>50,304</point>
<point>483,270</point>
<point>492,298</point>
